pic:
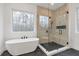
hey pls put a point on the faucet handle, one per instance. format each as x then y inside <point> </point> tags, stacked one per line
<point>24,37</point>
<point>21,37</point>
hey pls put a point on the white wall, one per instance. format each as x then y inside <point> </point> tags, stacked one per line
<point>1,29</point>
<point>74,37</point>
<point>8,34</point>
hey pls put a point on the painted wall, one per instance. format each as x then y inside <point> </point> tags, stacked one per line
<point>8,33</point>
<point>1,29</point>
<point>73,35</point>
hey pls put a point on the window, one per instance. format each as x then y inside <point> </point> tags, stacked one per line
<point>77,21</point>
<point>44,22</point>
<point>22,21</point>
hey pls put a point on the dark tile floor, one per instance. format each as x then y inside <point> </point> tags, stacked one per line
<point>37,52</point>
<point>69,52</point>
<point>51,46</point>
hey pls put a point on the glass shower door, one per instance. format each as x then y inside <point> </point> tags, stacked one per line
<point>53,32</point>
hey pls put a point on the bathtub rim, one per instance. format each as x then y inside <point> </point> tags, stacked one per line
<point>21,40</point>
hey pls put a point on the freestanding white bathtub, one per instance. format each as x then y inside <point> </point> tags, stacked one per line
<point>21,46</point>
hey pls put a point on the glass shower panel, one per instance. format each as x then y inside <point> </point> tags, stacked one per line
<point>43,29</point>
<point>62,29</point>
<point>53,31</point>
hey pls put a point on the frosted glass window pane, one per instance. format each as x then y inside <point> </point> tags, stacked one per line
<point>22,21</point>
<point>44,21</point>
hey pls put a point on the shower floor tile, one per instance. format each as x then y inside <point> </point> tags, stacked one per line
<point>51,46</point>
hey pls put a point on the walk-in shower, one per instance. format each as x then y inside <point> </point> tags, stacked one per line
<point>53,29</point>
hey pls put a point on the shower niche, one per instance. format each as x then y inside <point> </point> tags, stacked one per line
<point>63,27</point>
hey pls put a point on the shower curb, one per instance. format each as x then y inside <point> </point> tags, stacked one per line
<point>53,52</point>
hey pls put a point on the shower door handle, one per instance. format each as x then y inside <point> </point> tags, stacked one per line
<point>46,31</point>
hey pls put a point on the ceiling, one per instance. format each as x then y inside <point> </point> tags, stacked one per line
<point>52,7</point>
